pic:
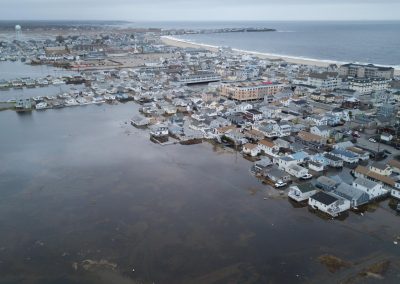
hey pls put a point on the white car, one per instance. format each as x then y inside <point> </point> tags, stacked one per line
<point>280,184</point>
<point>307,176</point>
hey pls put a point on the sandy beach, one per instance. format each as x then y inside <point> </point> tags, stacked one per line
<point>295,60</point>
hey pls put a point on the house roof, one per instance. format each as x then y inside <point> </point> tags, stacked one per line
<point>327,181</point>
<point>277,173</point>
<point>322,127</point>
<point>366,172</point>
<point>250,146</point>
<point>380,166</point>
<point>350,193</point>
<point>226,128</point>
<point>365,182</point>
<point>266,143</point>
<point>255,132</point>
<point>394,164</point>
<point>356,150</point>
<point>306,187</point>
<point>345,153</point>
<point>324,198</point>
<point>307,136</point>
<point>331,157</point>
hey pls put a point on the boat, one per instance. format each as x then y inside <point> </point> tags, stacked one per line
<point>76,80</point>
<point>30,83</point>
<point>43,82</point>
<point>71,102</point>
<point>58,82</point>
<point>41,105</point>
<point>17,84</point>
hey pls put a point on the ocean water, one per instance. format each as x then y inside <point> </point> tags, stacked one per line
<point>365,42</point>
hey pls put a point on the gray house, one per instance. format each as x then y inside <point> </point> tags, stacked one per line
<point>356,196</point>
<point>276,175</point>
<point>326,183</point>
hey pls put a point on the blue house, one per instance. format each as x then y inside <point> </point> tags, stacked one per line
<point>345,155</point>
<point>300,156</point>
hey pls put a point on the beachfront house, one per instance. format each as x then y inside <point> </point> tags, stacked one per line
<point>296,170</point>
<point>261,165</point>
<point>328,203</point>
<point>301,192</point>
<point>284,162</point>
<point>251,149</point>
<point>275,175</point>
<point>268,147</point>
<point>140,120</point>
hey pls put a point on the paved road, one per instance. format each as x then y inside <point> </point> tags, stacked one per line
<point>363,141</point>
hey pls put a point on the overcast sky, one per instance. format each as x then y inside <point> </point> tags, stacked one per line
<point>200,10</point>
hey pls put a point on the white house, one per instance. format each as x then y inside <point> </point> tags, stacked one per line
<point>268,147</point>
<point>251,149</point>
<point>284,162</point>
<point>159,130</point>
<point>321,130</point>
<point>395,193</point>
<point>380,168</point>
<point>270,111</point>
<point>317,119</point>
<point>372,188</point>
<point>315,166</point>
<point>243,107</point>
<point>328,203</point>
<point>296,170</point>
<point>347,156</point>
<point>302,191</point>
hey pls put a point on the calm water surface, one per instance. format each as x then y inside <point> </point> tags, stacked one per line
<point>87,198</point>
<point>357,41</point>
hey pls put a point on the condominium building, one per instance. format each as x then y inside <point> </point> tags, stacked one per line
<point>368,85</point>
<point>366,71</point>
<point>325,80</point>
<point>250,91</point>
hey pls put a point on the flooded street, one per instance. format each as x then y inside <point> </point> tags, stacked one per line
<point>87,198</point>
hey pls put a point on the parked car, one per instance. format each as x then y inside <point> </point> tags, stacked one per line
<point>280,184</point>
<point>372,140</point>
<point>307,176</point>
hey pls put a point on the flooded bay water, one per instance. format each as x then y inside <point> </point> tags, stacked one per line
<point>87,198</point>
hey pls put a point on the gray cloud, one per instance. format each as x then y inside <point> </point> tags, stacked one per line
<point>154,10</point>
